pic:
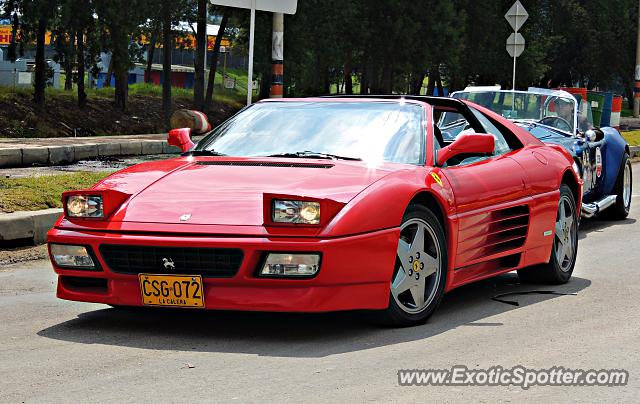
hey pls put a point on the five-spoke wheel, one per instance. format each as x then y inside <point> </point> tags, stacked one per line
<point>419,276</point>
<point>418,269</point>
<point>565,234</point>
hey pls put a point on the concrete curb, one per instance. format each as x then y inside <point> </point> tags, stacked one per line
<point>28,225</point>
<point>59,155</point>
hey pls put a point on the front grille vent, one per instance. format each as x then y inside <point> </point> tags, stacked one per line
<point>208,262</point>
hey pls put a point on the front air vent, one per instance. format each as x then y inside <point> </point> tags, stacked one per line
<point>494,233</point>
<point>263,164</point>
<point>208,262</point>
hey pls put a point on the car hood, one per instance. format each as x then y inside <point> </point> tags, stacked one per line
<point>231,191</point>
<point>549,135</point>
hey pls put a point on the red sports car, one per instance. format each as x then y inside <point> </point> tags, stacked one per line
<point>325,204</point>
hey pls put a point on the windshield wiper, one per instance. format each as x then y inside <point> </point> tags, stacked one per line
<point>314,155</point>
<point>203,153</point>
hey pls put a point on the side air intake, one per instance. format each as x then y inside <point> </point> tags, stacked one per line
<point>494,233</point>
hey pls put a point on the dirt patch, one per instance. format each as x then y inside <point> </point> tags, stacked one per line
<point>62,117</point>
<point>22,254</point>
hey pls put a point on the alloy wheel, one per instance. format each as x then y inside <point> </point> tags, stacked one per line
<point>418,268</point>
<point>565,237</point>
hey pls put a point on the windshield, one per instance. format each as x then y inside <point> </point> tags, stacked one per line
<point>371,131</point>
<point>557,111</point>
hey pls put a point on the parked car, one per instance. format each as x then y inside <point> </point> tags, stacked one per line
<point>325,204</point>
<point>555,116</point>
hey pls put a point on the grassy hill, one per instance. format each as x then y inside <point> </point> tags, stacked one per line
<point>61,116</point>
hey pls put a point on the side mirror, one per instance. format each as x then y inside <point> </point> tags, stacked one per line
<point>468,143</point>
<point>180,138</point>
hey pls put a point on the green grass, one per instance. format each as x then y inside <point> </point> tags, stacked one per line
<point>149,90</point>
<point>221,94</point>
<point>632,137</point>
<point>43,192</point>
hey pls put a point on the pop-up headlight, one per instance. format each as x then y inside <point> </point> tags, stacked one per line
<point>96,204</point>
<point>295,212</point>
<point>84,206</point>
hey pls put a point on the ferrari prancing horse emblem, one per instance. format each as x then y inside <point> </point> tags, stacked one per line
<point>168,263</point>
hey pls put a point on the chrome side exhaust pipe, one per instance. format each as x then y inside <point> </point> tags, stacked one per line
<point>592,209</point>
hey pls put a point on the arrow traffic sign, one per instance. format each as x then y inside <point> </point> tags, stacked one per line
<point>515,45</point>
<point>516,16</point>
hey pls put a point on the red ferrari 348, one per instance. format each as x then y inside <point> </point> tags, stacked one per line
<point>325,204</point>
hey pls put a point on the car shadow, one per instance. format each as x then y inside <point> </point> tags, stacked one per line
<point>597,225</point>
<point>295,335</point>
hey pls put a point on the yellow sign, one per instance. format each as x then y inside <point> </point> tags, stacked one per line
<point>171,290</point>
<point>189,42</point>
<point>6,33</point>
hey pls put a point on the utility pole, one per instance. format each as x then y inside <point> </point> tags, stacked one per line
<point>277,56</point>
<point>636,90</point>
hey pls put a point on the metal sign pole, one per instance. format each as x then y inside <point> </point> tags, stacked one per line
<point>516,16</point>
<point>273,6</point>
<point>251,34</point>
<point>206,37</point>
<point>514,69</point>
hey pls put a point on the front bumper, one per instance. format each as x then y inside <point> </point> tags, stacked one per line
<point>355,272</point>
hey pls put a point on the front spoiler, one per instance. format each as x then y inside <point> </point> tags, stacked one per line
<point>355,272</point>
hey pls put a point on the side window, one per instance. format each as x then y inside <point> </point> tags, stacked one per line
<point>502,146</point>
<point>451,124</point>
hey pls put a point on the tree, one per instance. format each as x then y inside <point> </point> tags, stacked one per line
<point>167,47</point>
<point>119,33</point>
<point>84,27</point>
<point>201,49</point>
<point>31,19</point>
<point>213,67</point>
<point>42,11</point>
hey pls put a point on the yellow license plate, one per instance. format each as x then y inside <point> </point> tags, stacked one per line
<point>171,290</point>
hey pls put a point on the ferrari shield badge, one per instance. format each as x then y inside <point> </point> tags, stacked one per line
<point>437,178</point>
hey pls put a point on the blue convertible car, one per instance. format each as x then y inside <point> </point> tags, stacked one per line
<point>553,116</point>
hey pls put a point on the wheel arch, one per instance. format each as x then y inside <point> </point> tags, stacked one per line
<point>569,178</point>
<point>429,200</point>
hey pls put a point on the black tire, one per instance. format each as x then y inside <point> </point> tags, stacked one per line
<point>394,315</point>
<point>554,272</point>
<point>620,210</point>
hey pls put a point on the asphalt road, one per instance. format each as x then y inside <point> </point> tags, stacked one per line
<point>58,351</point>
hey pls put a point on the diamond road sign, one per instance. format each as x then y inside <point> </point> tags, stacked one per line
<point>515,45</point>
<point>516,16</point>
